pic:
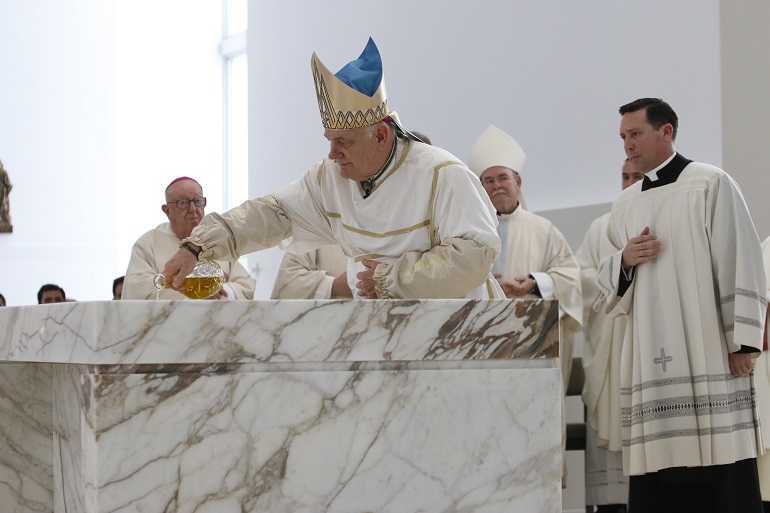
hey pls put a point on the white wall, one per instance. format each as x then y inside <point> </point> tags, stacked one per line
<point>103,103</point>
<point>168,108</point>
<point>745,43</point>
<point>57,140</point>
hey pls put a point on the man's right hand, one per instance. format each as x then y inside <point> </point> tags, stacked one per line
<point>642,248</point>
<point>179,266</point>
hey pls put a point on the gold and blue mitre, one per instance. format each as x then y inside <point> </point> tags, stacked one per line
<point>355,96</point>
<point>496,148</point>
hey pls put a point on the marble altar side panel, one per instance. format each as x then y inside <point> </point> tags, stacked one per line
<point>26,449</point>
<point>71,445</point>
<point>335,441</point>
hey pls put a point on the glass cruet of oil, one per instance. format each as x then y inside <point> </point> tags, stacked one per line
<point>204,281</point>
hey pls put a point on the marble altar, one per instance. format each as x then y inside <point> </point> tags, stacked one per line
<point>280,406</point>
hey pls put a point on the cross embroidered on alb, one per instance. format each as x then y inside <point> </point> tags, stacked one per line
<point>663,359</point>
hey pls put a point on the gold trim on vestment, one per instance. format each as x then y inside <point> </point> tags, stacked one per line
<point>320,173</point>
<point>428,222</point>
<point>490,290</point>
<point>370,256</point>
<point>400,231</point>
<point>387,234</point>
<point>432,202</point>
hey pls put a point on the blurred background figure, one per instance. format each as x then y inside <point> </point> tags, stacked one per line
<point>50,293</point>
<point>117,287</point>
<point>606,486</point>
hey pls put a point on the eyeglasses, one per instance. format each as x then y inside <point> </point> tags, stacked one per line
<point>185,203</point>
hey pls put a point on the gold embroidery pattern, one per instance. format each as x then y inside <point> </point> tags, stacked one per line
<point>344,120</point>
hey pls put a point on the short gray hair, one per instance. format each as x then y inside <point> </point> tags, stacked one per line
<point>371,130</point>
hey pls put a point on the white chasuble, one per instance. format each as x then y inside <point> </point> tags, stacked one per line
<point>531,244</point>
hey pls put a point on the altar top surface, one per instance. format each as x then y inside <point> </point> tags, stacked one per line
<point>239,332</point>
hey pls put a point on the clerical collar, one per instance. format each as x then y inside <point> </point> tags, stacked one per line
<point>653,175</point>
<point>666,173</point>
<point>367,186</point>
<point>516,211</point>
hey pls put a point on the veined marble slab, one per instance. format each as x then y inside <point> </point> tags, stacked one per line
<point>273,406</point>
<point>26,430</point>
<point>429,441</point>
<point>154,332</point>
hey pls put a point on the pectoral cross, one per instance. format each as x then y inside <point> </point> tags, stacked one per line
<point>367,186</point>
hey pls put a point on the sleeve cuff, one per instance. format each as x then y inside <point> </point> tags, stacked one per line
<point>324,289</point>
<point>544,284</point>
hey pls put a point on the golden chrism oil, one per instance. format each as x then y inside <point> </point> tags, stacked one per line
<point>199,288</point>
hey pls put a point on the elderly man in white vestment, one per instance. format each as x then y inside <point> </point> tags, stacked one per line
<point>184,209</point>
<point>411,218</point>
<point>535,260</point>
<point>318,274</point>
<point>606,485</point>
<point>687,271</point>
